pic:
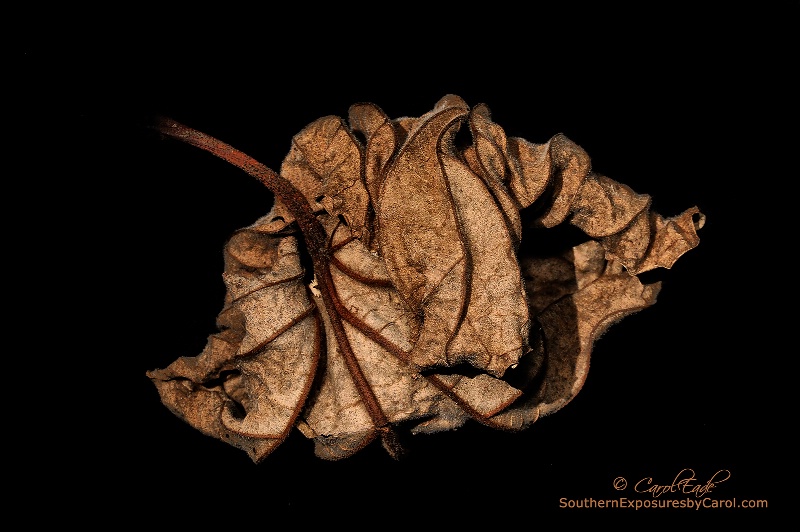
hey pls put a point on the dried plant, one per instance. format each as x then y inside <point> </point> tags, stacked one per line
<point>425,309</point>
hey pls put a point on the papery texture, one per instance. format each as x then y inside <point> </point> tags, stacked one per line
<point>425,309</point>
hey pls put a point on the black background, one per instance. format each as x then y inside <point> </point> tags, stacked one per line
<point>693,108</point>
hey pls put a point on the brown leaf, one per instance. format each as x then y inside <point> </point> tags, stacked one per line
<point>425,311</point>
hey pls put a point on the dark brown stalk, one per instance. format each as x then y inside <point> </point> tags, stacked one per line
<point>316,243</point>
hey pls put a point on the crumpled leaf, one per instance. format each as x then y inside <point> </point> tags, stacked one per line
<point>425,311</point>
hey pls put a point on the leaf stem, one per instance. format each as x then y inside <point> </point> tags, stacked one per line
<point>316,242</point>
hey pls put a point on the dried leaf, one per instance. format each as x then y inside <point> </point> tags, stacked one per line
<point>425,311</point>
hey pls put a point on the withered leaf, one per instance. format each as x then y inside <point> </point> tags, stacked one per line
<point>425,311</point>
